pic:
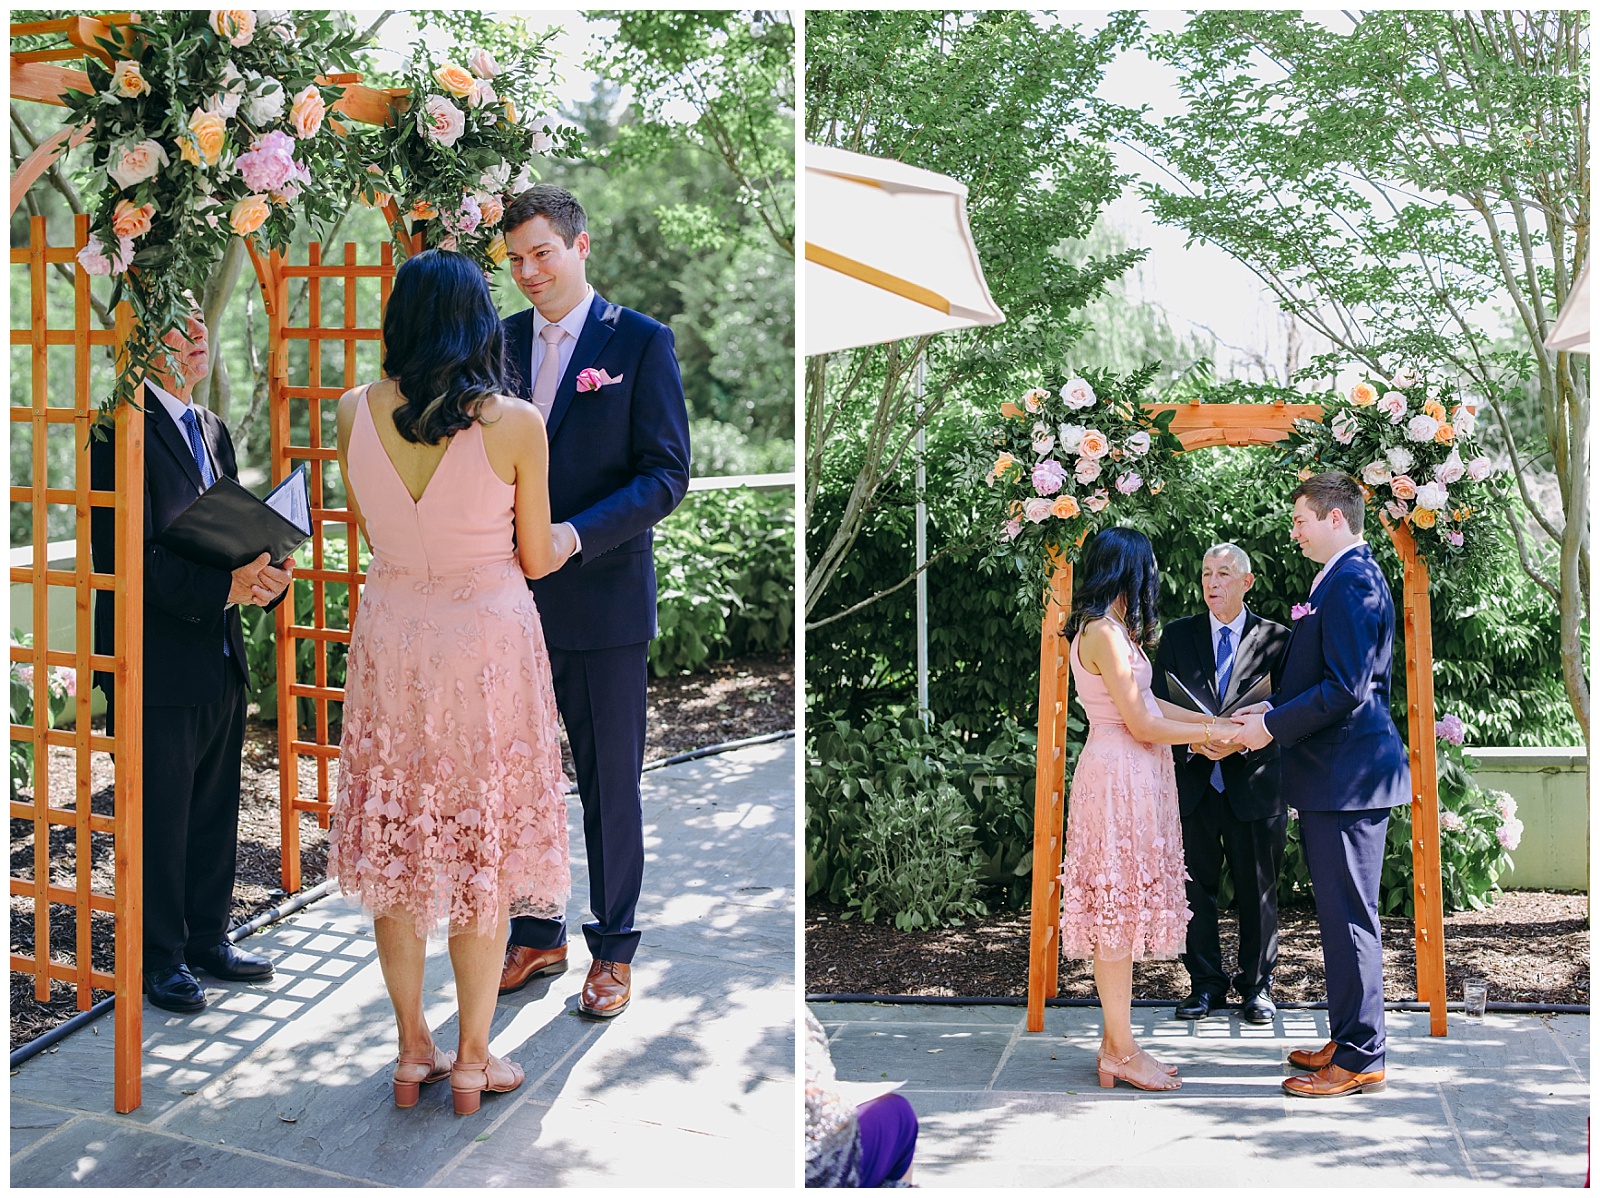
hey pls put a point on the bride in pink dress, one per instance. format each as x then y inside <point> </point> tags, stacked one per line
<point>451,804</point>
<point>1122,894</point>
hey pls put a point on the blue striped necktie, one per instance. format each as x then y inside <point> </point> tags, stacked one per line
<point>191,425</point>
<point>1224,676</point>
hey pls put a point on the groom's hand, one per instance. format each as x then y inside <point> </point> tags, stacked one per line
<point>1253,732</point>
<point>1254,709</point>
<point>564,540</point>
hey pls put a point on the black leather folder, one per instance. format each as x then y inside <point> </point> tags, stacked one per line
<point>228,527</point>
<point>1257,691</point>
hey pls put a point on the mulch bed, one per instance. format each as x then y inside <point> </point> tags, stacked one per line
<point>1531,945</point>
<point>725,702</point>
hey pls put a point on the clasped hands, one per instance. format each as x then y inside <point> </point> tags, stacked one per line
<point>260,582</point>
<point>1245,729</point>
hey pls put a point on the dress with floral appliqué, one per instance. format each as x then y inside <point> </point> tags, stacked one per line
<point>1122,876</point>
<point>451,800</point>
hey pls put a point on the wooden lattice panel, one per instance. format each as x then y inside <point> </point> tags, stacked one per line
<point>75,410</point>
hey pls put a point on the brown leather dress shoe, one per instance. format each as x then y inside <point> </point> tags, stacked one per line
<point>1333,1082</point>
<point>1309,1060</point>
<point>524,964</point>
<point>606,990</point>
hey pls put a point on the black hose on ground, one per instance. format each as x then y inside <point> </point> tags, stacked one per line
<point>1009,1000</point>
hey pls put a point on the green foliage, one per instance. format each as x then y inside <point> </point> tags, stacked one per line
<point>735,71</point>
<point>61,687</point>
<point>186,67</point>
<point>923,826</point>
<point>724,578</point>
<point>720,450</point>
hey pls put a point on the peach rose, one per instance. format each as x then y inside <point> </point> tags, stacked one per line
<point>511,111</point>
<point>136,163</point>
<point>458,81</point>
<point>1403,487</point>
<point>1002,464</point>
<point>1064,508</point>
<point>1423,518</point>
<point>496,250</point>
<point>130,221</point>
<point>1445,435</point>
<point>1363,395</point>
<point>1303,473</point>
<point>1435,409</point>
<point>422,210</point>
<point>490,206</point>
<point>202,145</point>
<point>248,215</point>
<point>237,25</point>
<point>1095,444</point>
<point>1010,410</point>
<point>307,111</point>
<point>128,81</point>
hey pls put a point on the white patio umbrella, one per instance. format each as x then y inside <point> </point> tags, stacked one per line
<point>888,253</point>
<point>1572,326</point>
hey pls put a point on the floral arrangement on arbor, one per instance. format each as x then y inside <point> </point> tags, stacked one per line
<point>462,146</point>
<point>1068,457</point>
<point>208,125</point>
<point>1410,444</point>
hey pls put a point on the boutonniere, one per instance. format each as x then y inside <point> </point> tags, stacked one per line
<point>1301,609</point>
<point>592,379</point>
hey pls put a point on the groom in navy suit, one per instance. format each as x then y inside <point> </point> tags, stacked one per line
<point>606,380</point>
<point>1343,767</point>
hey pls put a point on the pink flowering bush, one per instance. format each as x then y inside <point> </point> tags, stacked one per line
<point>1065,457</point>
<point>1412,445</point>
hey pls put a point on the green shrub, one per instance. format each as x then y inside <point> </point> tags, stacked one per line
<point>724,578</point>
<point>63,686</point>
<point>892,780</point>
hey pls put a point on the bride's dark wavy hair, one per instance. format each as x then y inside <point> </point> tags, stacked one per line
<point>443,345</point>
<point>1117,562</point>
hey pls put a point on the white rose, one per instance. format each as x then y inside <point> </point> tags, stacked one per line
<point>1393,405</point>
<point>1479,468</point>
<point>1088,470</point>
<point>224,104</point>
<point>483,64</point>
<point>1421,427</point>
<point>1071,437</point>
<point>495,178</point>
<point>1139,444</point>
<point>542,140</point>
<point>1043,445</point>
<point>1432,495</point>
<point>267,106</point>
<point>136,163</point>
<point>1036,510</point>
<point>1375,474</point>
<point>1400,459</point>
<point>1466,420</point>
<point>1450,470</point>
<point>1077,394</point>
<point>441,121</point>
<point>522,181</point>
<point>1343,428</point>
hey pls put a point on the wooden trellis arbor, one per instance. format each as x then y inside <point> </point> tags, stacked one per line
<point>1200,425</point>
<point>304,405</point>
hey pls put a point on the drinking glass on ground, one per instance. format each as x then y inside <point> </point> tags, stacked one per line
<point>1475,996</point>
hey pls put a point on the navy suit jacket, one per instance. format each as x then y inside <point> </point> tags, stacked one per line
<point>1250,780</point>
<point>1340,748</point>
<point>186,617</point>
<point>619,463</point>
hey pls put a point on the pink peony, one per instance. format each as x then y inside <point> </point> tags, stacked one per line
<point>1397,510</point>
<point>1456,537</point>
<point>1450,470</point>
<point>92,257</point>
<point>465,219</point>
<point>1450,730</point>
<point>1012,528</point>
<point>1048,476</point>
<point>1129,483</point>
<point>270,162</point>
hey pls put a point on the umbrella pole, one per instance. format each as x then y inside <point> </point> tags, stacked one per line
<point>922,549</point>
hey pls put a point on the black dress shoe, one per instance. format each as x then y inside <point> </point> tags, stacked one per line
<point>175,989</point>
<point>1198,1005</point>
<point>230,964</point>
<point>1258,1008</point>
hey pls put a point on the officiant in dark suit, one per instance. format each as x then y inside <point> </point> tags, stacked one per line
<point>195,684</point>
<point>1228,799</point>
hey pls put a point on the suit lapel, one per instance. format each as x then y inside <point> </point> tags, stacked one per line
<point>519,352</point>
<point>1206,654</point>
<point>597,331</point>
<point>212,433</point>
<point>1244,658</point>
<point>177,444</point>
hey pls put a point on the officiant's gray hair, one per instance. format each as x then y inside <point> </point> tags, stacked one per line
<point>1227,549</point>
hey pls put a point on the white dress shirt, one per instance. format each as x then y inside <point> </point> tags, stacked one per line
<point>1323,573</point>
<point>1236,625</point>
<point>176,408</point>
<point>573,323</point>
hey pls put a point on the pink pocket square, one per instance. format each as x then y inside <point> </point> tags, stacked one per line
<point>592,379</point>
<point>1300,609</point>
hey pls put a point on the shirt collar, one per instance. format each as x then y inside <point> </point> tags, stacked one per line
<point>572,322</point>
<point>175,407</point>
<point>1237,624</point>
<point>1334,560</point>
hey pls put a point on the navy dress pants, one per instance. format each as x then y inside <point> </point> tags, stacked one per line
<point>1344,850</point>
<point>601,696</point>
<point>192,760</point>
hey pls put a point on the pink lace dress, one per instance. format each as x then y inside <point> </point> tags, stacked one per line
<point>451,800</point>
<point>1122,877</point>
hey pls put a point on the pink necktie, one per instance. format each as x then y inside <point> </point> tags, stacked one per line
<point>549,377</point>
